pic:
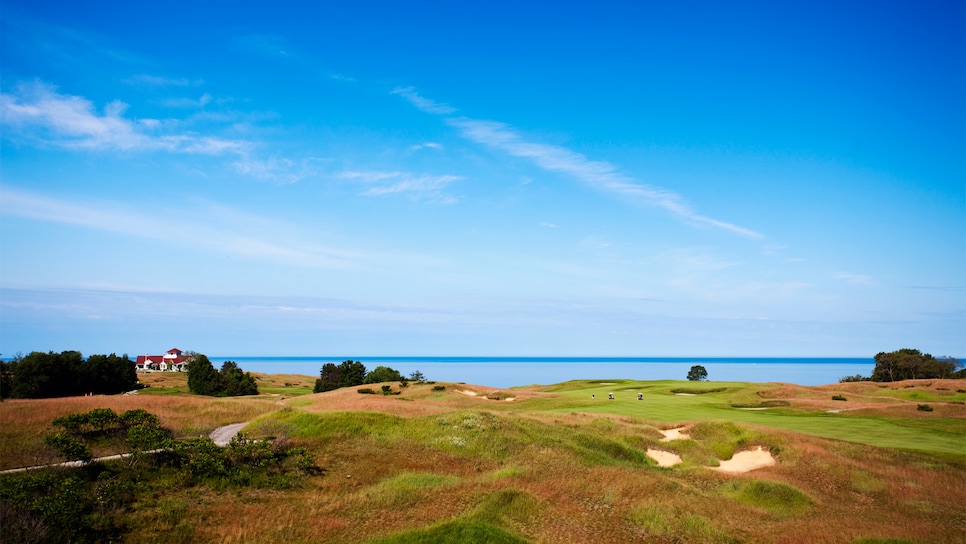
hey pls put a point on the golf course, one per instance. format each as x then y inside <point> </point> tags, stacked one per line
<point>607,460</point>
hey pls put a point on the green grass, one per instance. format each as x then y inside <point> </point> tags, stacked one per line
<point>155,390</point>
<point>696,391</point>
<point>945,437</point>
<point>405,488</point>
<point>485,524</point>
<point>673,525</point>
<point>285,391</point>
<point>779,499</point>
<point>454,532</point>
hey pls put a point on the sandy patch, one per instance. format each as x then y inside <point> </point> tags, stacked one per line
<point>754,409</point>
<point>606,383</point>
<point>674,434</point>
<point>745,461</point>
<point>468,392</point>
<point>510,399</point>
<point>664,458</point>
<point>685,395</point>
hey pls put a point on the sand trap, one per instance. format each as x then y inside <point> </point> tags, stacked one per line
<point>674,434</point>
<point>664,458</point>
<point>467,392</point>
<point>510,399</point>
<point>745,461</point>
<point>685,394</point>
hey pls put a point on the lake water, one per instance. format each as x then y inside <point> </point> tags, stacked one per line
<point>513,371</point>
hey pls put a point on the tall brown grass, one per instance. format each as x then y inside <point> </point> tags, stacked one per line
<point>529,472</point>
<point>24,423</point>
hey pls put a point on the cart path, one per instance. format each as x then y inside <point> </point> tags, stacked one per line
<point>221,437</point>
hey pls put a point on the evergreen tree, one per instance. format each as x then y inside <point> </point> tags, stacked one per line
<point>203,379</point>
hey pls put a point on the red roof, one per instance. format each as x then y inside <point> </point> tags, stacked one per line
<point>142,359</point>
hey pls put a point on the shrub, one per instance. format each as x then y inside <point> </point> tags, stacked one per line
<point>924,408</point>
<point>439,388</point>
<point>366,391</point>
<point>382,374</point>
<point>838,397</point>
<point>69,447</point>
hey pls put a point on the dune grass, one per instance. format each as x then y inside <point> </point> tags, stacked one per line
<point>556,465</point>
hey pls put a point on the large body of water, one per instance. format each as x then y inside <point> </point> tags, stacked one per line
<point>513,371</point>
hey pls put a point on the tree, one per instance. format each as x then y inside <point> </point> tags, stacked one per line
<point>417,377</point>
<point>697,373</point>
<point>330,378</point>
<point>48,375</point>
<point>911,364</point>
<point>353,373</point>
<point>231,381</point>
<point>236,382</point>
<point>347,374</point>
<point>383,374</point>
<point>203,379</point>
<point>107,374</point>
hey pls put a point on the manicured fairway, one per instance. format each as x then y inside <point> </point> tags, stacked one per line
<point>659,403</point>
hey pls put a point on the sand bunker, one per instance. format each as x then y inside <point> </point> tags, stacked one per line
<point>467,392</point>
<point>664,458</point>
<point>745,461</point>
<point>685,394</point>
<point>674,434</point>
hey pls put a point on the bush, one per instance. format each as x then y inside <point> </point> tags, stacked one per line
<point>439,388</point>
<point>838,397</point>
<point>855,378</point>
<point>69,447</point>
<point>382,374</point>
<point>924,408</point>
<point>366,391</point>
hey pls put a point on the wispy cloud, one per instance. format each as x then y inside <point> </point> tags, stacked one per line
<point>416,186</point>
<point>422,103</point>
<point>265,45</point>
<point>427,145</point>
<point>188,103</point>
<point>216,228</point>
<point>278,169</point>
<point>159,81</point>
<point>598,174</point>
<point>38,113</point>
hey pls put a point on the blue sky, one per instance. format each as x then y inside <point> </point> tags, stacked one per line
<point>506,178</point>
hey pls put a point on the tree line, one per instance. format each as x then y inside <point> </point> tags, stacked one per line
<point>910,364</point>
<point>47,375</point>
<point>351,373</point>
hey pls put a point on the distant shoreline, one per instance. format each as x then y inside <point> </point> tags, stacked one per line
<point>520,371</point>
